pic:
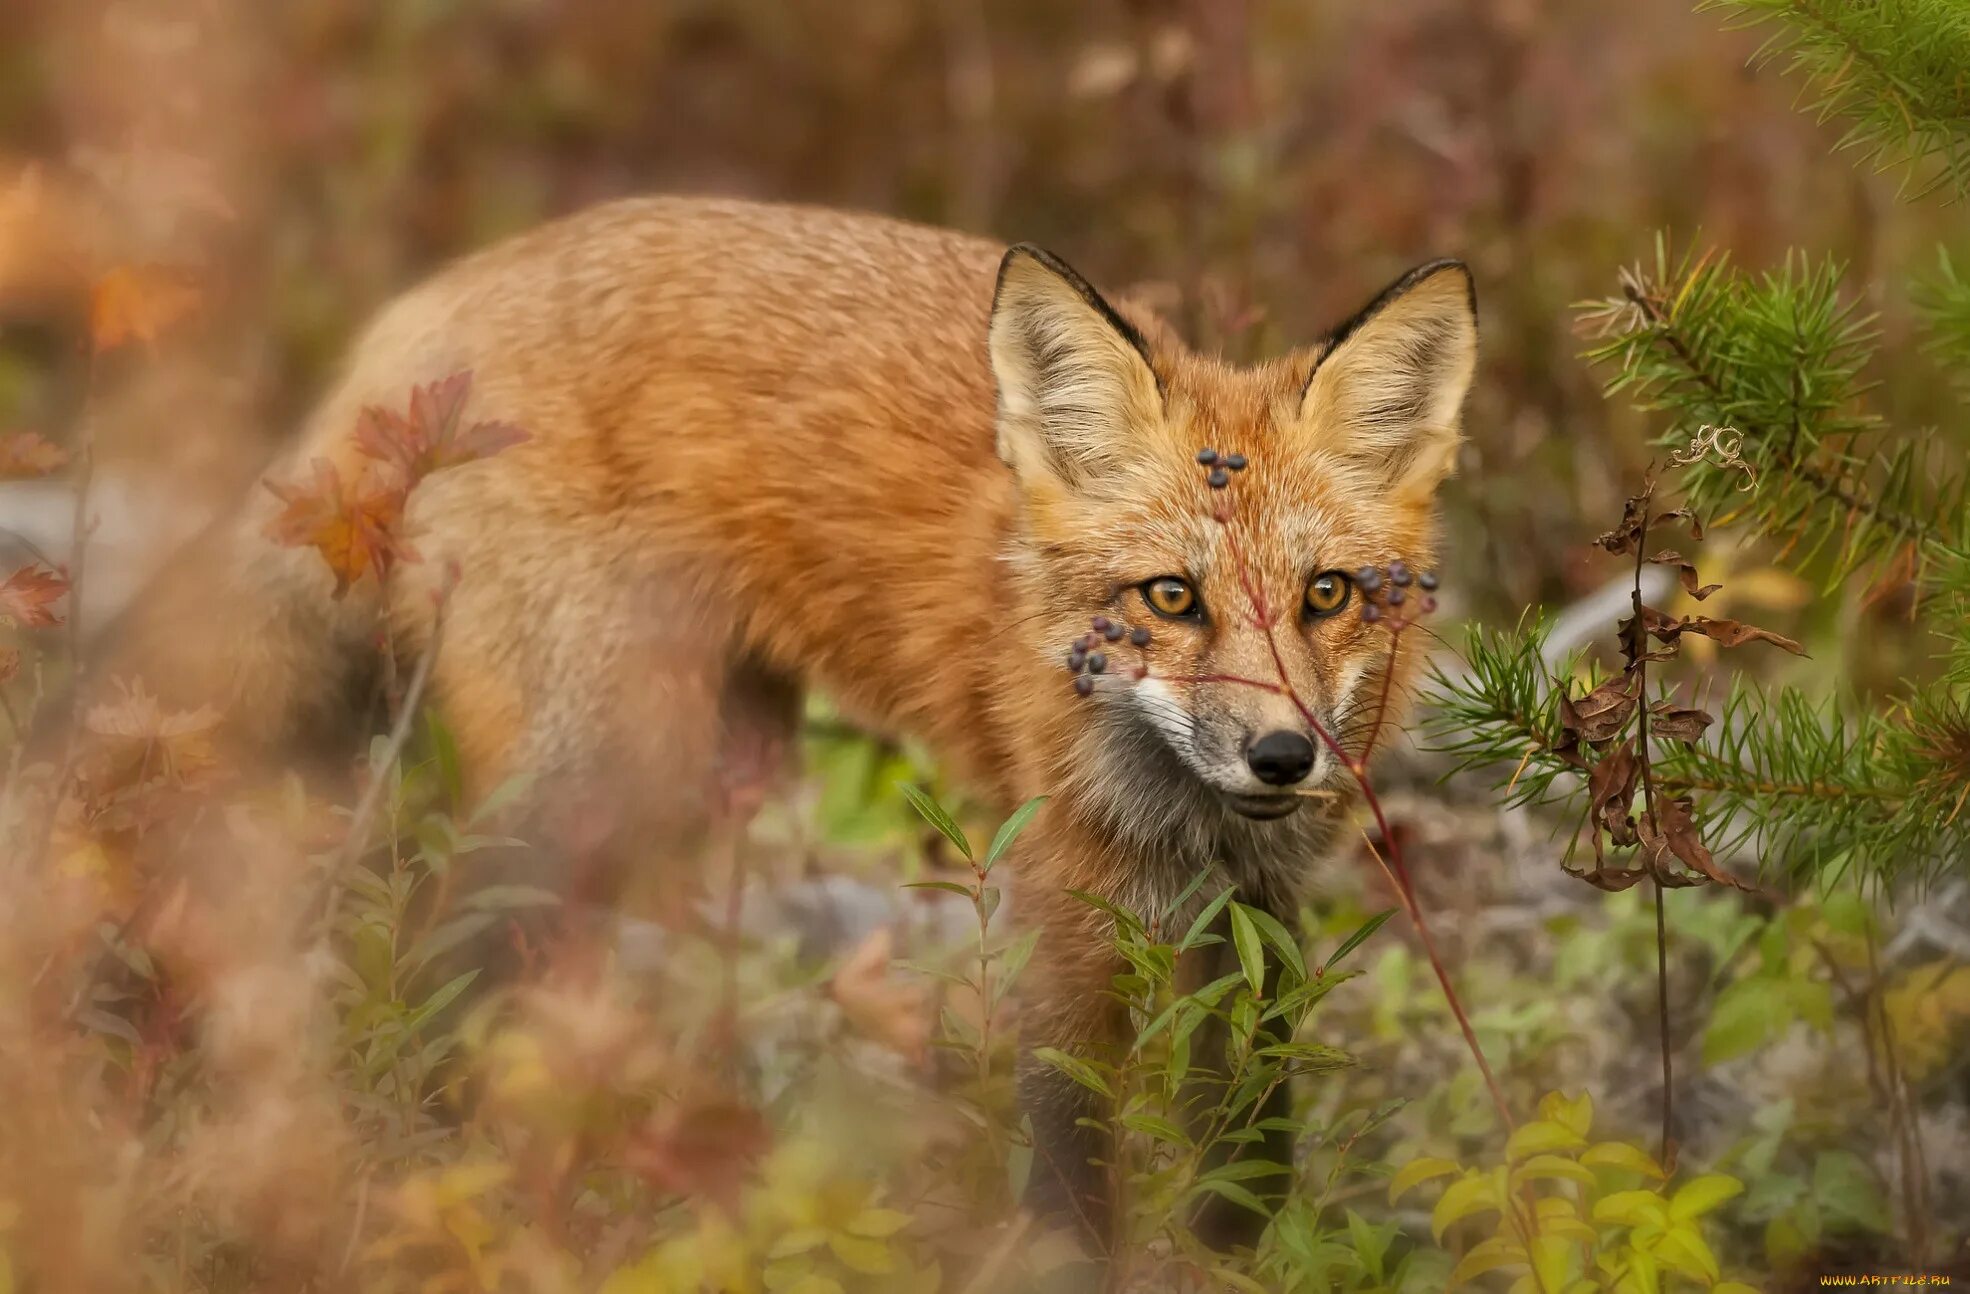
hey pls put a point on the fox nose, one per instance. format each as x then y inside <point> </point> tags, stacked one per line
<point>1280,758</point>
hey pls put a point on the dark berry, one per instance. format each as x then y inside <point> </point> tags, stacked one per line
<point>1218,479</point>
<point>1085,642</point>
<point>1427,580</point>
<point>1097,663</point>
<point>1399,574</point>
<point>1207,456</point>
<point>1100,624</point>
<point>1395,597</point>
<point>1368,579</point>
<point>1429,604</point>
<point>1083,685</point>
<point>1076,659</point>
<point>1236,462</point>
<point>1139,636</point>
<point>1114,633</point>
<point>1370,613</point>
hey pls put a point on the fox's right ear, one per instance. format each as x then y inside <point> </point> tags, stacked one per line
<point>1075,385</point>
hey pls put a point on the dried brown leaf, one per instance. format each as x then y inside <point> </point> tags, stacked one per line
<point>1685,573</point>
<point>1678,722</point>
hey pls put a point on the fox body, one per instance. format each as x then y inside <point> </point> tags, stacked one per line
<point>774,447</point>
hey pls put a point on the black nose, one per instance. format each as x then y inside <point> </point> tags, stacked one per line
<point>1280,758</point>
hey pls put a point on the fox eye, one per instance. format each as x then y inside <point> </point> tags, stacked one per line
<point>1170,597</point>
<point>1327,593</point>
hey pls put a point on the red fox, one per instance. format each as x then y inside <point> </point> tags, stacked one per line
<point>776,447</point>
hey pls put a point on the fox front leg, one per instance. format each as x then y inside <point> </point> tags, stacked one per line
<point>1067,1006</point>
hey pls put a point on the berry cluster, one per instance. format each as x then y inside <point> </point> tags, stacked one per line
<point>1385,593</point>
<point>1220,466</point>
<point>1086,659</point>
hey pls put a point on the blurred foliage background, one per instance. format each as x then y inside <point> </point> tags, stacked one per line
<point>1264,166</point>
<point>1258,168</point>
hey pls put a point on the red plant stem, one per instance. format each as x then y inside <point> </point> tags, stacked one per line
<point>1390,855</point>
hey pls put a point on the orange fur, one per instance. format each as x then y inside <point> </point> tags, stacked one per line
<point>765,454</point>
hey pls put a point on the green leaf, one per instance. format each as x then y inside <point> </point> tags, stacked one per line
<point>1009,830</point>
<point>1355,940</point>
<point>1156,1126</point>
<point>934,814</point>
<point>1251,946</point>
<point>1171,908</point>
<point>1280,938</point>
<point>1075,1068</point>
<point>1748,1014</point>
<point>1204,918</point>
<point>951,887</point>
<point>1231,1191</point>
<point>1371,1243</point>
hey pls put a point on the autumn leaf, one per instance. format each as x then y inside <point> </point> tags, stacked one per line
<point>26,454</point>
<point>702,1145</point>
<point>1685,573</point>
<point>25,597</point>
<point>137,303</point>
<point>1610,790</point>
<point>355,530</point>
<point>1677,722</point>
<point>137,738</point>
<point>1732,633</point>
<point>434,436</point>
<point>1671,830</point>
<point>1602,713</point>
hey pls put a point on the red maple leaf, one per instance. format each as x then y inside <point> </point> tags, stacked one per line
<point>25,597</point>
<point>25,454</point>
<point>435,435</point>
<point>356,530</point>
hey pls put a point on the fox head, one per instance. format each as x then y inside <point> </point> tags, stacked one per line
<point>1102,415</point>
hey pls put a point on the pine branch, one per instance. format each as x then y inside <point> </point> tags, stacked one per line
<point>1815,789</point>
<point>1893,69</point>
<point>1780,359</point>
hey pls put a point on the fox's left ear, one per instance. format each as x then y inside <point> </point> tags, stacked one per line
<point>1389,388</point>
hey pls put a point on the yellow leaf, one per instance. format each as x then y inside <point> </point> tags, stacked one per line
<point>1616,1154</point>
<point>879,1223</point>
<point>1551,1166</point>
<point>1552,1260</point>
<point>1682,1249</point>
<point>1576,1113</point>
<point>1487,1256</point>
<point>1631,1209</point>
<point>1415,1173</point>
<point>870,1257</point>
<point>1477,1193</point>
<point>1702,1195</point>
<point>1540,1137</point>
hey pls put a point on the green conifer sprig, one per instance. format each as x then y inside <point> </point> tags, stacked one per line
<point>1892,70</point>
<point>1815,789</point>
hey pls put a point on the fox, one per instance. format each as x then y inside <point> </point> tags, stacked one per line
<point>774,448</point>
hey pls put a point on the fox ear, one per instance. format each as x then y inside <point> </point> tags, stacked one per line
<point>1074,379</point>
<point>1389,388</point>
